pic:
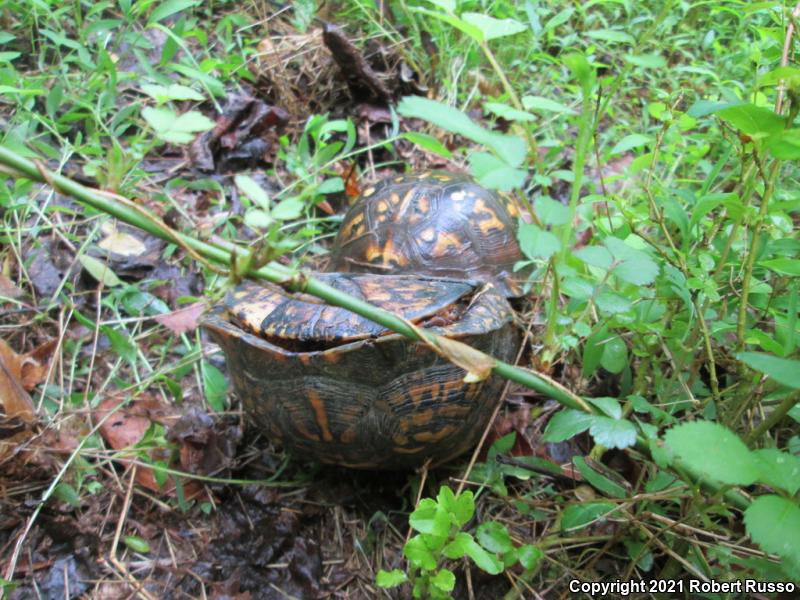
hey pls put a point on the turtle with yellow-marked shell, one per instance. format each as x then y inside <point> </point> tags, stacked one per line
<point>434,223</point>
<point>330,385</point>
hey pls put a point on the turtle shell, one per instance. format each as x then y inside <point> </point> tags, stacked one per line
<point>434,223</point>
<point>369,401</point>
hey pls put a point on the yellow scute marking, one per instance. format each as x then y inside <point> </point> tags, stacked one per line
<point>321,414</point>
<point>427,235</point>
<point>435,436</point>
<point>368,192</point>
<point>444,243</point>
<point>489,224</point>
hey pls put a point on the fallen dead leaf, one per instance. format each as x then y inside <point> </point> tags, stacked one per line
<point>15,399</point>
<point>184,319</point>
<point>8,289</point>
<point>120,242</point>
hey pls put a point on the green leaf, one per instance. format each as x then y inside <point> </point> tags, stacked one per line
<point>248,186</point>
<point>169,8</point>
<point>774,524</point>
<point>419,554</point>
<point>136,544</point>
<point>611,35</point>
<point>471,30</point>
<point>778,469</point>
<point>482,559</point>
<point>783,370</point>
<point>545,104</point>
<point>444,580</point>
<point>464,508</point>
<point>581,70</point>
<point>529,556</point>
<point>430,518</point>
<point>613,433</point>
<point>648,61</point>
<point>611,303</point>
<point>784,145</point>
<point>215,386</point>
<point>633,266</point>
<point>174,91</point>
<point>713,451</point>
<point>551,212</point>
<point>494,173</point>
<point>390,579</point>
<point>290,208</point>
<point>121,343</point>
<point>66,493</point>
<point>428,142</point>
<point>508,147</point>
<point>173,128</point>
<point>615,355</point>
<point>458,547</point>
<point>599,481</point>
<point>783,266</point>
<point>752,119</point>
<point>566,424</point>
<point>492,28</point>
<point>609,406</point>
<point>99,271</point>
<point>509,113</point>
<point>494,537</point>
<point>597,256</point>
<point>537,243</point>
<point>634,140</point>
<point>577,516</point>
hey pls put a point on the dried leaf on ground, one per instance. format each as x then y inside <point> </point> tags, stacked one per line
<point>184,319</point>
<point>121,242</point>
<point>362,80</point>
<point>8,289</point>
<point>207,445</point>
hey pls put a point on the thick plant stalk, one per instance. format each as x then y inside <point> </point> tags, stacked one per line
<point>224,253</point>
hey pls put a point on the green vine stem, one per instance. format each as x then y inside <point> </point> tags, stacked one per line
<point>19,166</point>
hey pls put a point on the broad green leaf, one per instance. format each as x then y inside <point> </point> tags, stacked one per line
<point>783,370</point>
<point>494,537</point>
<point>790,76</point>
<point>577,516</point>
<point>257,218</point>
<point>287,209</point>
<point>248,186</point>
<point>783,266</point>
<point>419,554</point>
<point>784,144</point>
<point>169,8</point>
<point>615,355</point>
<point>581,70</point>
<point>494,173</point>
<point>332,185</point>
<point>389,579</point>
<point>509,113</point>
<point>611,35</point>
<point>471,30</point>
<point>444,580</point>
<point>609,406</point>
<point>483,559</point>
<point>529,556</point>
<point>174,91</point>
<point>464,508</point>
<point>613,433</point>
<point>779,469</point>
<point>634,140</point>
<point>492,28</point>
<point>458,547</point>
<point>99,270</point>
<point>66,493</point>
<point>633,266</point>
<point>713,451</point>
<point>430,518</point>
<point>774,524</point>
<point>428,142</point>
<point>173,128</point>
<point>611,303</point>
<point>551,212</point>
<point>597,480</point>
<point>648,61</point>
<point>559,18</point>
<point>752,119</point>
<point>537,243</point>
<point>508,147</point>
<point>215,386</point>
<point>545,104</point>
<point>566,424</point>
<point>597,256</point>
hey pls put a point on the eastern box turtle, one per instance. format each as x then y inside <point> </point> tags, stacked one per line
<point>432,223</point>
<point>329,384</point>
